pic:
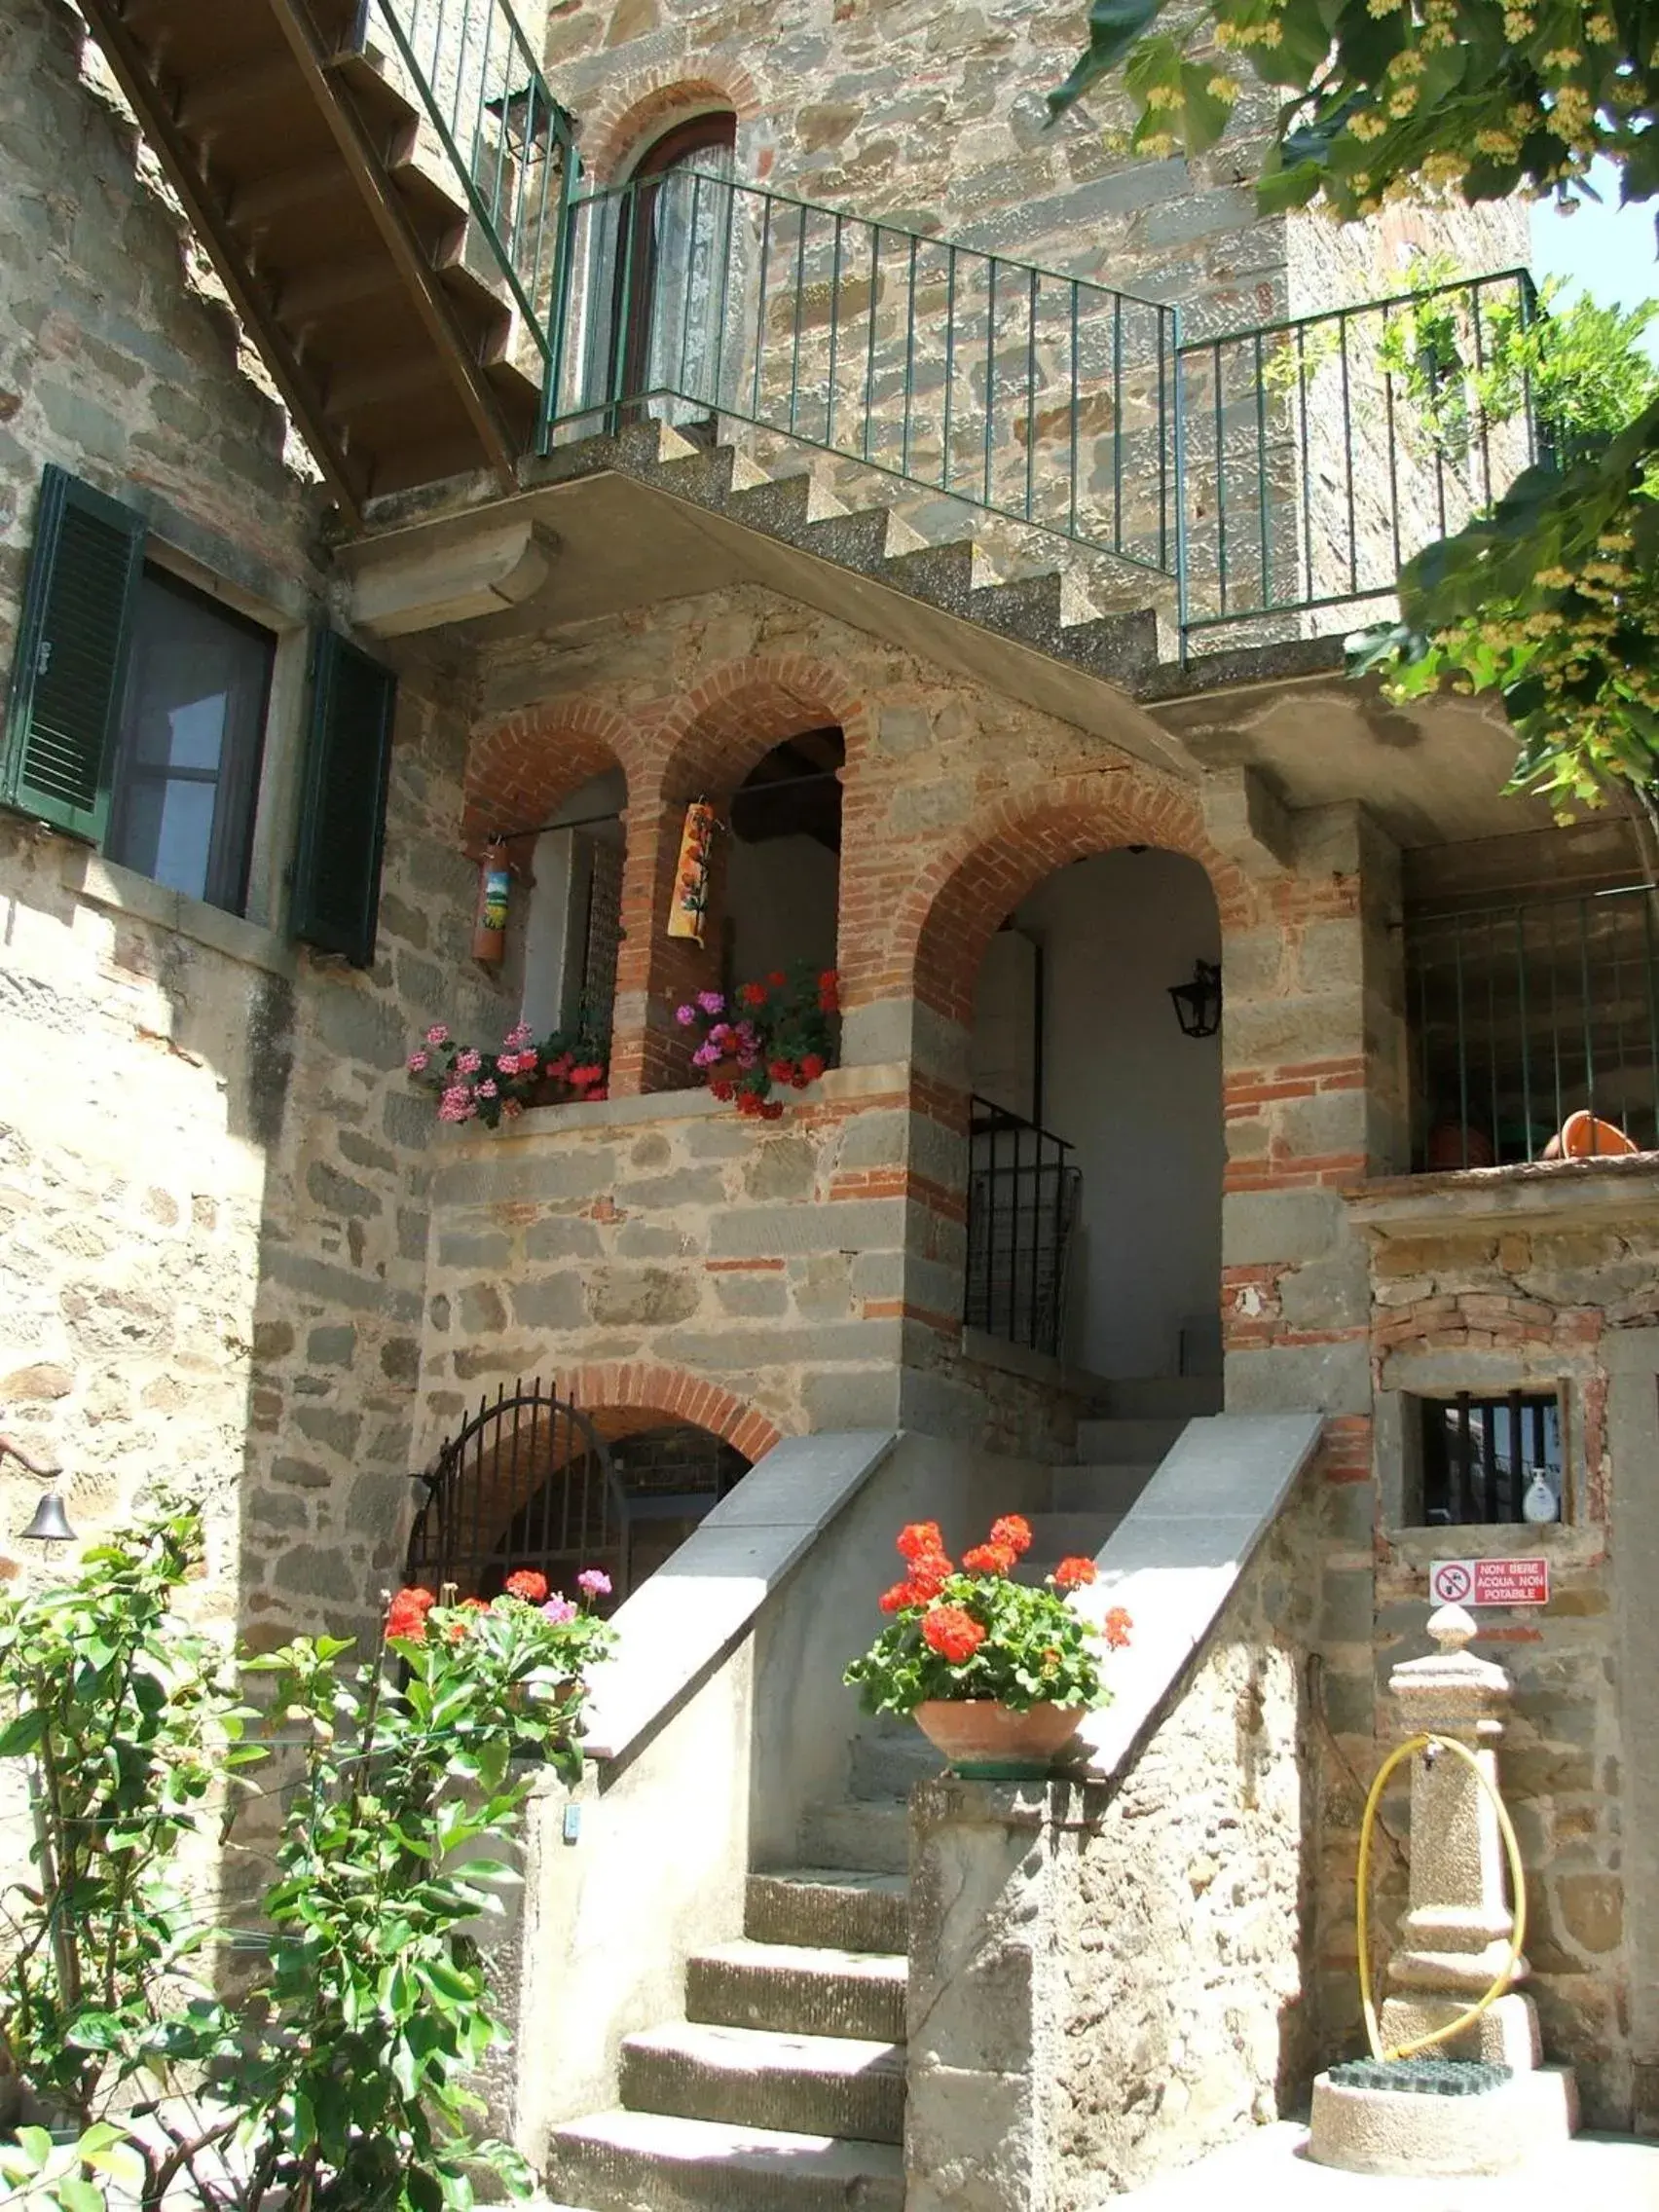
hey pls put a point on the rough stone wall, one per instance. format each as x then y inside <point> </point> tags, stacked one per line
<point>214,1199</point>
<point>1106,1981</point>
<point>1463,1302</point>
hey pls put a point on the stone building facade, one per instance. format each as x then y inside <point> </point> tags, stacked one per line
<point>239,1245</point>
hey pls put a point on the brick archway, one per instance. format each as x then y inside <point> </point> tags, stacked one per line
<point>519,771</point>
<point>672,1392</point>
<point>954,906</point>
<point>637,108</point>
<point>714,736</point>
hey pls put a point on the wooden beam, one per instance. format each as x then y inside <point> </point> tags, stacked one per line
<point>381,385</point>
<point>391,219</point>
<point>333,284</point>
<point>177,158</point>
<point>228,94</point>
<point>284,192</point>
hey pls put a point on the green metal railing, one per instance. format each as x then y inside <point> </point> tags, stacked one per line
<point>1320,452</point>
<point>1040,397</point>
<point>1523,1016</point>
<point>510,143</point>
<point>1277,476</point>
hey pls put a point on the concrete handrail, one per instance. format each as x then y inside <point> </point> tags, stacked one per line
<point>707,1595</point>
<point>1175,1557</point>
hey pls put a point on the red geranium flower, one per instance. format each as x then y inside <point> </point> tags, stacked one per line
<point>1116,1629</point>
<point>953,1632</point>
<point>1013,1531</point>
<point>780,1071</point>
<point>723,1091</point>
<point>528,1585</point>
<point>772,1110</point>
<point>752,994</point>
<point>895,1601</point>
<point>1073,1573</point>
<point>812,1066</point>
<point>989,1559</point>
<point>918,1537</point>
<point>777,978</point>
<point>406,1616</point>
<point>929,1570</point>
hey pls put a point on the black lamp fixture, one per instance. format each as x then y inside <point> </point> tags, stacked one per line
<point>1198,1004</point>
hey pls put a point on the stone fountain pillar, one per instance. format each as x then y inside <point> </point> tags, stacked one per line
<point>1455,1942</point>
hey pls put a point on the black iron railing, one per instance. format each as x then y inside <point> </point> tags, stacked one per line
<point>1534,1029</point>
<point>1023,1207</point>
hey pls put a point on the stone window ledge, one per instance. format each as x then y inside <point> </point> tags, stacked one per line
<point>1544,1193</point>
<point>121,891</point>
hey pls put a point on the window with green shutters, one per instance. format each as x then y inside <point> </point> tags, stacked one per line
<point>343,824</point>
<point>136,720</point>
<point>68,680</point>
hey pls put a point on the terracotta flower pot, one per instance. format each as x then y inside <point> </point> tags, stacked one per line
<point>978,1737</point>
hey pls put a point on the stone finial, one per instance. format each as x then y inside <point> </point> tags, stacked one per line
<point>1452,1628</point>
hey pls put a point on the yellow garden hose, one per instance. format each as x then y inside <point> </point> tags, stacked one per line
<point>1517,1891</point>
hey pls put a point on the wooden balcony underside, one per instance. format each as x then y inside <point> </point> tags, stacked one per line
<point>300,163</point>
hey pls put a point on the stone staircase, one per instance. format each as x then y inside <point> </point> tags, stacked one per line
<point>783,2089</point>
<point>1053,610</point>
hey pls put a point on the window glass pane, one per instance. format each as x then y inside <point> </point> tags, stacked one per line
<point>187,769</point>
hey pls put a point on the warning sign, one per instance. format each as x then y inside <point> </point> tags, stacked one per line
<point>1490,1581</point>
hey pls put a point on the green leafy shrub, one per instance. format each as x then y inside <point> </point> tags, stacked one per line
<point>342,2079</point>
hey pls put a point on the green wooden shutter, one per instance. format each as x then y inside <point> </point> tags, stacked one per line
<point>343,826</point>
<point>73,644</point>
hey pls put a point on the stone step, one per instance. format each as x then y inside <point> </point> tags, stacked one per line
<point>873,1836</point>
<point>803,1989</point>
<point>1108,1491</point>
<point>757,2078</point>
<point>1162,1397</point>
<point>1137,1441</point>
<point>827,1904</point>
<point>663,2163</point>
<point>889,1765</point>
<point>1067,1535</point>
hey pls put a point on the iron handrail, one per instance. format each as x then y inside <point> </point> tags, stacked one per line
<point>955,369</point>
<point>497,170</point>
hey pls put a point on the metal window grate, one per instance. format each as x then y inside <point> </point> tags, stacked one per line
<point>1022,1208</point>
<point>1480,1454</point>
<point>1522,1015</point>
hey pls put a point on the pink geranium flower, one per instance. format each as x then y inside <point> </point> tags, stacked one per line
<point>437,1034</point>
<point>594,1581</point>
<point>469,1062</point>
<point>558,1609</point>
<point>416,1062</point>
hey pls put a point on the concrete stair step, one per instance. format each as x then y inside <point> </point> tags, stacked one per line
<point>1067,1535</point>
<point>1139,1441</point>
<point>864,1837</point>
<point>803,1989</point>
<point>1109,1490</point>
<point>664,2163</point>
<point>1162,1397</point>
<point>829,1905</point>
<point>941,574</point>
<point>783,506</point>
<point>841,2086</point>
<point>889,1765</point>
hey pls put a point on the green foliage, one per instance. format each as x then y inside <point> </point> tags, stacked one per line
<point>74,2175</point>
<point>342,2080</point>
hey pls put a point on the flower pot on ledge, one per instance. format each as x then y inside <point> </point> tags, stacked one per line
<point>993,1742</point>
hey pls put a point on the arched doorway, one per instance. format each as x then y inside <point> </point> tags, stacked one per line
<point>672,254</point>
<point>1096,1144</point>
<point>533,1481</point>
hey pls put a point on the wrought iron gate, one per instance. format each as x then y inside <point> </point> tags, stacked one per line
<point>527,1482</point>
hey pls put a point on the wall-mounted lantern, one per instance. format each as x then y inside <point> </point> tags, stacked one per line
<point>1198,1004</point>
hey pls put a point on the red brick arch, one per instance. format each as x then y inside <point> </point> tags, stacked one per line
<point>637,106</point>
<point>711,739</point>
<point>521,770</point>
<point>955,902</point>
<point>677,1396</point>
